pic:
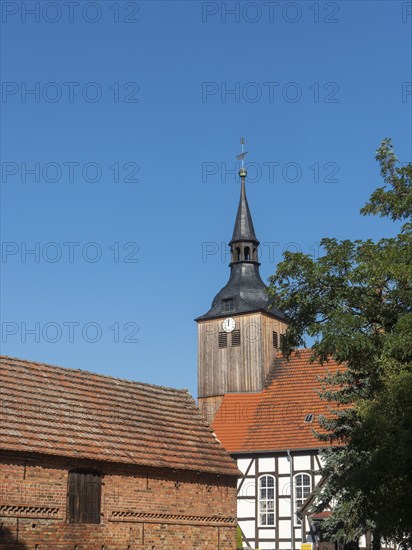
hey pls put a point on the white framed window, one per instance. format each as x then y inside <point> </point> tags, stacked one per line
<point>303,487</point>
<point>266,500</point>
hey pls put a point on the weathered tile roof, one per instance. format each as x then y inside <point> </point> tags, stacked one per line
<point>74,413</point>
<point>274,419</point>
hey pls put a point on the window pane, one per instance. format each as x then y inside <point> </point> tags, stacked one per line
<point>302,491</point>
<point>266,500</point>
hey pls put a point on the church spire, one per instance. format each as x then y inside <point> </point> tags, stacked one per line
<point>244,243</point>
<point>243,230</point>
<point>245,291</point>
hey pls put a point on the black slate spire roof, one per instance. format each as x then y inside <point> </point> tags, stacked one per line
<point>243,230</point>
<point>245,291</point>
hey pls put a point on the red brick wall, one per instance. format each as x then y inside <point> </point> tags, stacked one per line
<point>141,508</point>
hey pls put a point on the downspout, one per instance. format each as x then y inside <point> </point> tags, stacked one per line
<point>292,522</point>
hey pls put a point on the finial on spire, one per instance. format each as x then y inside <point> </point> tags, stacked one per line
<point>242,171</point>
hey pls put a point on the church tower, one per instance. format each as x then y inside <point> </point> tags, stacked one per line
<point>239,336</point>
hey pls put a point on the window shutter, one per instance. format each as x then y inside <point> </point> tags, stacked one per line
<point>84,497</point>
<point>91,498</point>
<point>275,340</point>
<point>73,504</point>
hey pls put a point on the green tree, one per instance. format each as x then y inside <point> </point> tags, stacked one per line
<point>239,539</point>
<point>355,302</point>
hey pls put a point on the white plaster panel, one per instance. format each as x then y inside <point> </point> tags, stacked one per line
<point>243,465</point>
<point>267,545</point>
<point>362,542</point>
<point>248,528</point>
<point>284,486</point>
<point>284,529</point>
<point>307,526</point>
<point>301,462</point>
<point>267,534</point>
<point>283,464</point>
<point>248,489</point>
<point>284,545</point>
<point>284,507</point>
<point>246,508</point>
<point>317,479</point>
<point>267,465</point>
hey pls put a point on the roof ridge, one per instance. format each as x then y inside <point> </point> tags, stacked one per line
<point>8,358</point>
<point>77,386</point>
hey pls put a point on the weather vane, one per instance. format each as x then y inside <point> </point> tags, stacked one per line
<point>243,153</point>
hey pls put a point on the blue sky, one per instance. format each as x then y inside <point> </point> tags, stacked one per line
<point>116,169</point>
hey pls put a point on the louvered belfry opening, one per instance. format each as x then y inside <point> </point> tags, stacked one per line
<point>236,338</point>
<point>222,339</point>
<point>84,497</point>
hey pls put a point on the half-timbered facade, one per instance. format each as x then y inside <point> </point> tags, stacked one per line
<point>266,503</point>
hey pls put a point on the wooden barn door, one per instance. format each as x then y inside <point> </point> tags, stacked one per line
<point>84,497</point>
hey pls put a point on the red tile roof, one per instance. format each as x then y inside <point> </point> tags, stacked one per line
<point>74,413</point>
<point>274,419</point>
<point>321,515</point>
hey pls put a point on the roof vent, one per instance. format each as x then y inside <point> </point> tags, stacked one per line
<point>309,418</point>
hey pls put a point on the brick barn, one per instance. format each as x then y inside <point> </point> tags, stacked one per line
<point>91,462</point>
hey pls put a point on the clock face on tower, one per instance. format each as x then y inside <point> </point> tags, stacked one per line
<point>229,324</point>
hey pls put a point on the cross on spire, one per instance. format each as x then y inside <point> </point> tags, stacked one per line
<point>242,154</point>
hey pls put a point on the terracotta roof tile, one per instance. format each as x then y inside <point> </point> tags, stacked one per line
<point>274,419</point>
<point>66,412</point>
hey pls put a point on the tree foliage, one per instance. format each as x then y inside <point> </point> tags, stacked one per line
<point>355,303</point>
